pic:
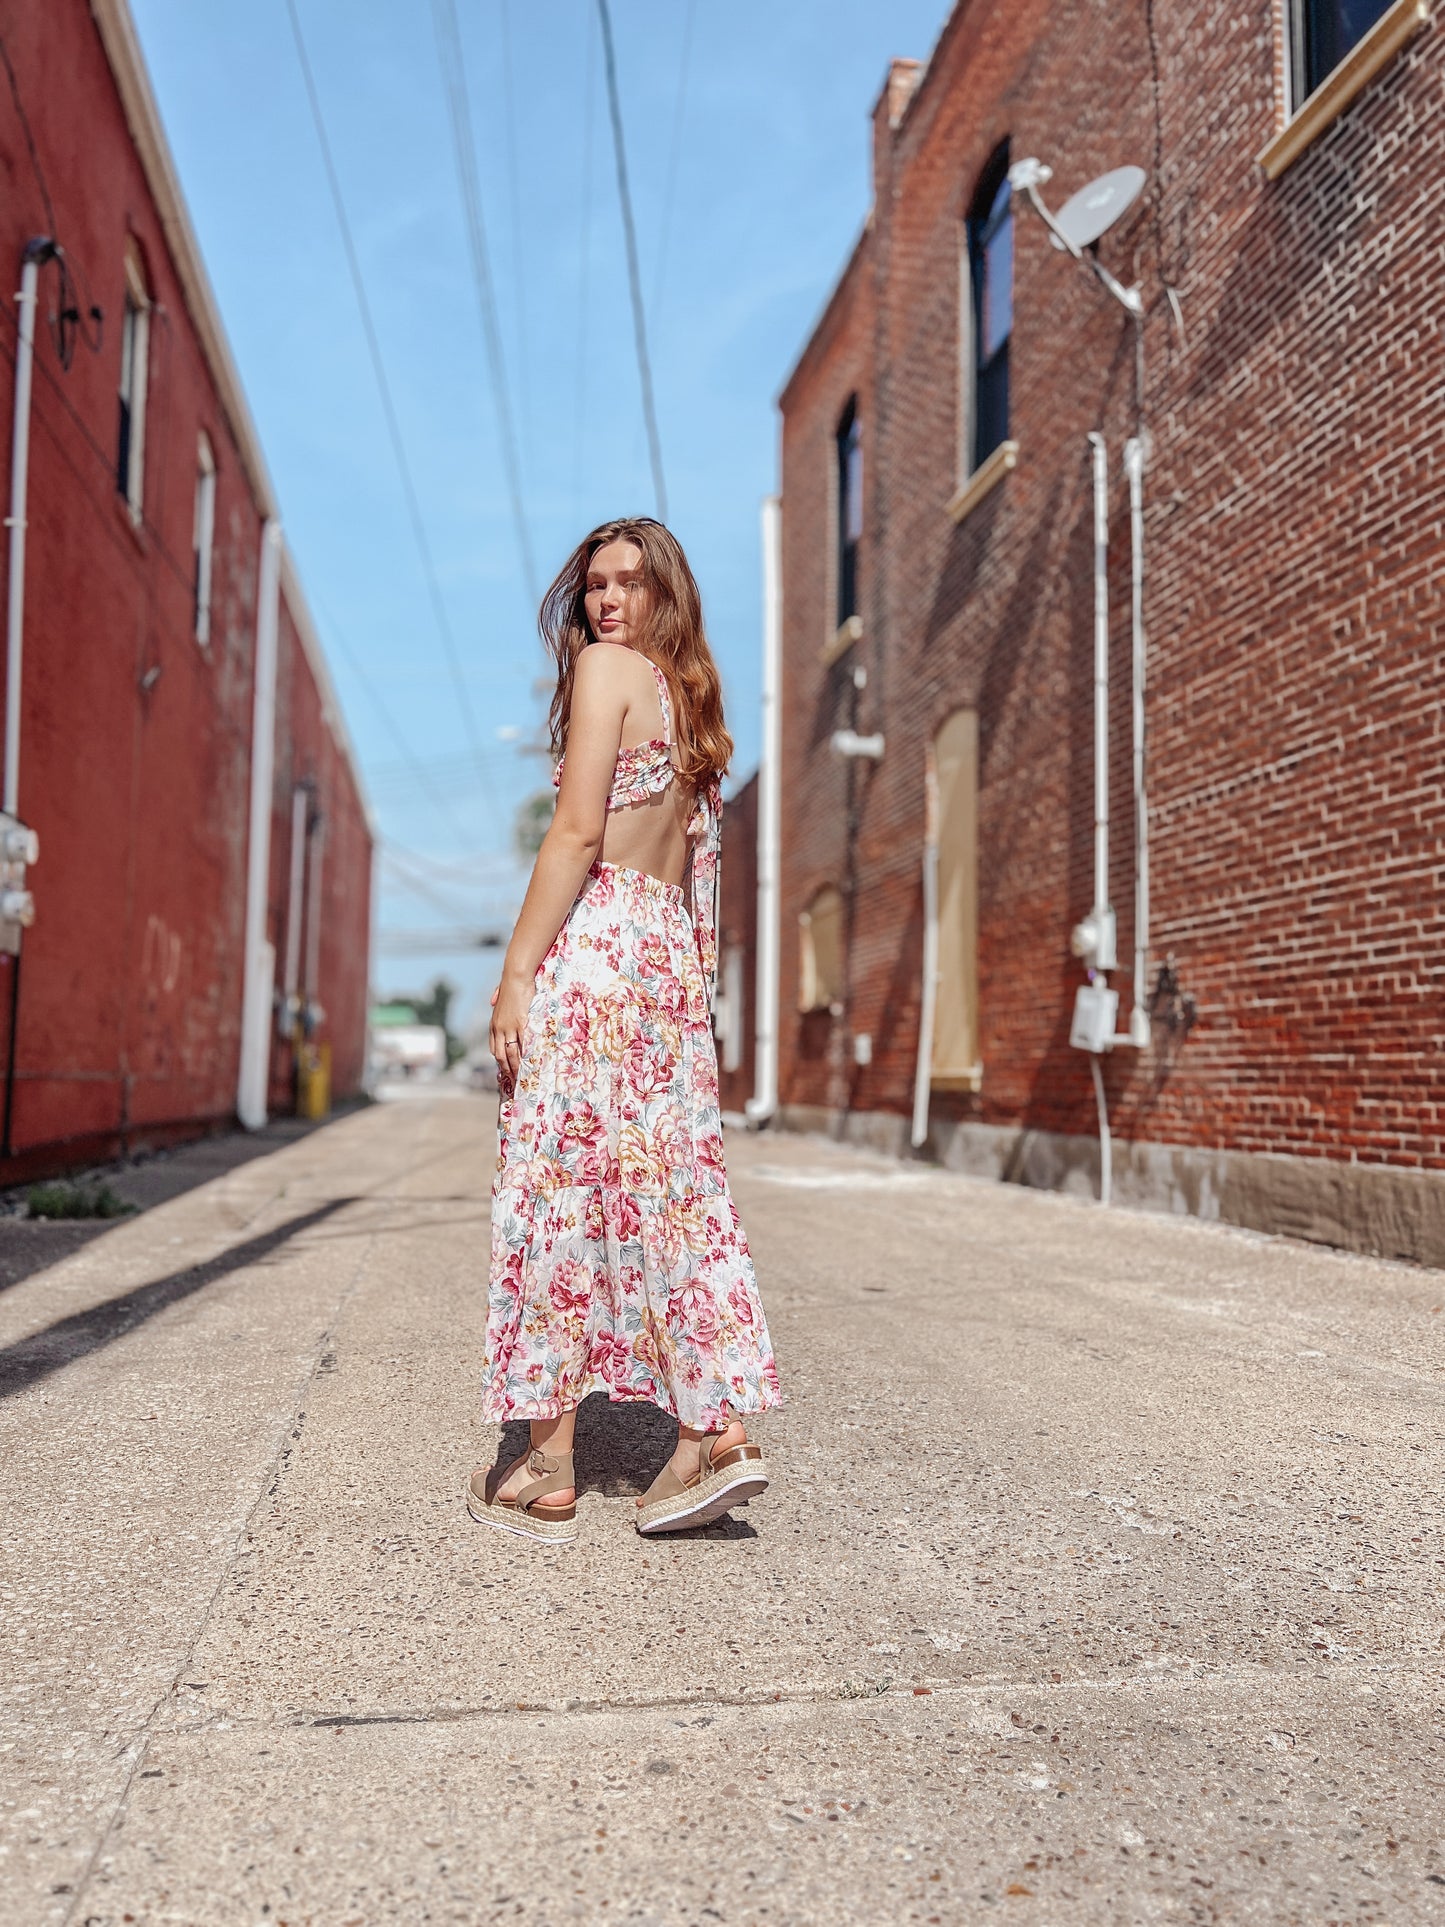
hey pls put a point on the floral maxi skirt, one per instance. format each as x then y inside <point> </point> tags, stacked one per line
<point>618,1262</point>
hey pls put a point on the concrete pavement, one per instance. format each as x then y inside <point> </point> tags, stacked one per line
<point>1101,1581</point>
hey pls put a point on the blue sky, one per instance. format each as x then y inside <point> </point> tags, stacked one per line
<point>747,133</point>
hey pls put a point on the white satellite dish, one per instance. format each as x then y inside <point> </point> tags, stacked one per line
<point>1095,208</point>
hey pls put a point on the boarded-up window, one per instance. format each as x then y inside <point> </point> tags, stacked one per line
<point>820,943</point>
<point>955,1064</point>
<point>728,1008</point>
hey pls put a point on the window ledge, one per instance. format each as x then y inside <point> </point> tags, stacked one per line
<point>1334,94</point>
<point>984,480</point>
<point>849,632</point>
<point>135,524</point>
<point>970,1080</point>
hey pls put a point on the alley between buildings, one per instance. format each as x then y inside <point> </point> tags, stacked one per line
<point>1099,1580</point>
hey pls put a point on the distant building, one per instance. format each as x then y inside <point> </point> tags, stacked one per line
<point>202,894</point>
<point>1287,389</point>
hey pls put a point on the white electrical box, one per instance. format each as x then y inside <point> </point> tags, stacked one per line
<point>1096,1011</point>
<point>19,848</point>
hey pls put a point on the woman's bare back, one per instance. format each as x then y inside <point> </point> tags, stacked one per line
<point>650,835</point>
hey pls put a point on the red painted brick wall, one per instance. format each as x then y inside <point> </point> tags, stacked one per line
<point>1293,597</point>
<point>130,994</point>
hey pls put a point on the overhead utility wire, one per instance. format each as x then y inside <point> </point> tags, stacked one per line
<point>405,879</point>
<point>634,276</point>
<point>464,701</point>
<point>449,50</point>
<point>514,190</point>
<point>408,754</point>
<point>584,266</point>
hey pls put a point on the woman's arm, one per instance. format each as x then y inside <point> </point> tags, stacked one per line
<point>594,735</point>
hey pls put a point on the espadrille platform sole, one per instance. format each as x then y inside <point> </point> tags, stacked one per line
<point>737,1476</point>
<point>523,1515</point>
<point>539,1524</point>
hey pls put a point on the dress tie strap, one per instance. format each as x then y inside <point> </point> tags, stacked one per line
<point>706,826</point>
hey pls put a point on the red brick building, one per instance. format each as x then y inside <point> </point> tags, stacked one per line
<point>1285,386</point>
<point>203,839</point>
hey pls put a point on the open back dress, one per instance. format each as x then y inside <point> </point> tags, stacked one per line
<point>618,1260</point>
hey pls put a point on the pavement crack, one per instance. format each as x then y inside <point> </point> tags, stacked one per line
<point>287,1433</point>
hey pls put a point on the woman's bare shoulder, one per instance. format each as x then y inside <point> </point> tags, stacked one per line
<point>607,663</point>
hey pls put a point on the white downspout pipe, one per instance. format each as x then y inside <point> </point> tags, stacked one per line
<point>761,1106</point>
<point>35,254</point>
<point>1104,957</point>
<point>300,798</point>
<point>928,1000</point>
<point>1139,1026</point>
<point>259,966</point>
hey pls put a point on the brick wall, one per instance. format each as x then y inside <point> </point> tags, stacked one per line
<point>136,739</point>
<point>1295,572</point>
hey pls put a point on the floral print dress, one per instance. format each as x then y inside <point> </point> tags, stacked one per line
<point>618,1260</point>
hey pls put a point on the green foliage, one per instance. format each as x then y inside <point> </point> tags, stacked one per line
<point>66,1199</point>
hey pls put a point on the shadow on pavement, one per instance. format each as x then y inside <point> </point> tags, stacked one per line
<point>30,1359</point>
<point>28,1245</point>
<point>619,1451</point>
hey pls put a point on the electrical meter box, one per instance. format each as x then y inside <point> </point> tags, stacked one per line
<point>19,848</point>
<point>1096,1011</point>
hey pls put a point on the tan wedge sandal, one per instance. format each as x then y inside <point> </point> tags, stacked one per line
<point>722,1480</point>
<point>557,1524</point>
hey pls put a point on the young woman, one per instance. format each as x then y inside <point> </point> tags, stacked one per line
<point>618,1262</point>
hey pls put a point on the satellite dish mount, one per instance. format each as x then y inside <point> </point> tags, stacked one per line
<point>1085,217</point>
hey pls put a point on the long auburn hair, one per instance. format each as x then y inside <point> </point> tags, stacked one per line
<point>673,638</point>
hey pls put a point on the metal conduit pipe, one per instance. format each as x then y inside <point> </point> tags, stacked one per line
<point>259,960</point>
<point>1102,909</point>
<point>1139,1027</point>
<point>928,1002</point>
<point>36,254</point>
<point>761,1106</point>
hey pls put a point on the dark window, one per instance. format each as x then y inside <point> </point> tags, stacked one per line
<point>991,278</point>
<point>134,371</point>
<point>850,509</point>
<point>128,327</point>
<point>1322,33</point>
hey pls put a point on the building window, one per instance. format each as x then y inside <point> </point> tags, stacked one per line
<point>204,536</point>
<point>820,951</point>
<point>850,509</point>
<point>134,370</point>
<point>729,1021</point>
<point>991,307</point>
<point>1322,32</point>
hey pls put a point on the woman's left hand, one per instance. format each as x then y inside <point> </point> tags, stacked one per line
<point>511,1002</point>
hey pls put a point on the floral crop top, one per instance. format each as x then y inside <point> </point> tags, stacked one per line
<point>646,769</point>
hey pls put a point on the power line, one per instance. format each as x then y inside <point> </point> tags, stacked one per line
<point>24,119</point>
<point>584,270</point>
<point>634,276</point>
<point>449,44</point>
<point>406,879</point>
<point>509,121</point>
<point>482,870</point>
<point>408,754</point>
<point>464,701</point>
